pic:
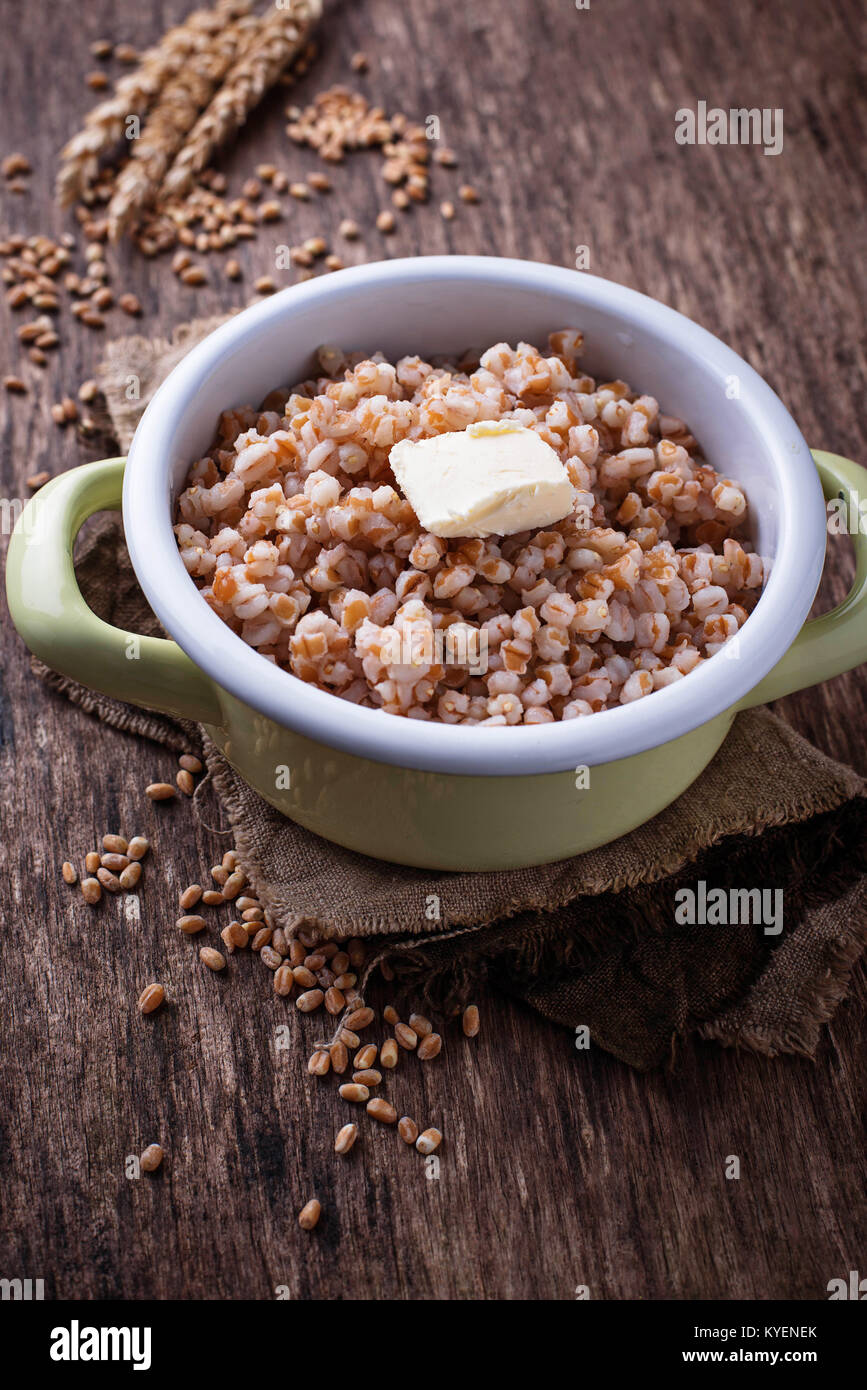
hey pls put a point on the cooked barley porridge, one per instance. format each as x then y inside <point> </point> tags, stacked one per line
<point>294,530</point>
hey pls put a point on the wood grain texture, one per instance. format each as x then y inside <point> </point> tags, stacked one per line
<point>559,1168</point>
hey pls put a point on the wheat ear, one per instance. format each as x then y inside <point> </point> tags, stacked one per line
<point>281,37</point>
<point>134,95</point>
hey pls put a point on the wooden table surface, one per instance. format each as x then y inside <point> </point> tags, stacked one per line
<point>561,1168</point>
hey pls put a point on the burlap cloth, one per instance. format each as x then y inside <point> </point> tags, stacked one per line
<point>590,941</point>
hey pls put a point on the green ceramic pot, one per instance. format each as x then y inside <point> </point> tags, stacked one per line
<point>436,796</point>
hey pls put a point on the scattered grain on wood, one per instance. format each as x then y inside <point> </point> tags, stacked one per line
<point>151,998</point>
<point>151,1158</point>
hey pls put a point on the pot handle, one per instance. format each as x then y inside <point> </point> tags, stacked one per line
<point>51,615</point>
<point>837,641</point>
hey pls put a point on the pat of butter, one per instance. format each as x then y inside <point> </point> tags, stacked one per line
<point>492,479</point>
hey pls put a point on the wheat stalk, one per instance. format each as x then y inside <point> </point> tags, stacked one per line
<point>170,120</point>
<point>280,38</point>
<point>135,94</point>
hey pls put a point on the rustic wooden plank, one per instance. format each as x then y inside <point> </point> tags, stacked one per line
<point>560,1168</point>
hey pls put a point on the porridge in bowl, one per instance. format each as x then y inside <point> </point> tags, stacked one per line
<point>298,535</point>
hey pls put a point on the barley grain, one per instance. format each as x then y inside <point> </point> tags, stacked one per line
<point>194,275</point>
<point>114,862</point>
<point>16,163</point>
<point>470,1021</point>
<point>160,791</point>
<point>309,1215</point>
<point>407,1038</point>
<point>335,1002</point>
<point>428,1141</point>
<point>430,1046</point>
<point>233,884</point>
<point>345,1139</point>
<point>191,924</point>
<point>381,1110</point>
<point>109,881</point>
<point>388,1054</point>
<point>310,1000</point>
<point>151,998</point>
<point>283,981</point>
<point>185,782</point>
<point>368,1076</point>
<point>130,876</point>
<point>351,1091</point>
<point>359,1018</point>
<point>191,896</point>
